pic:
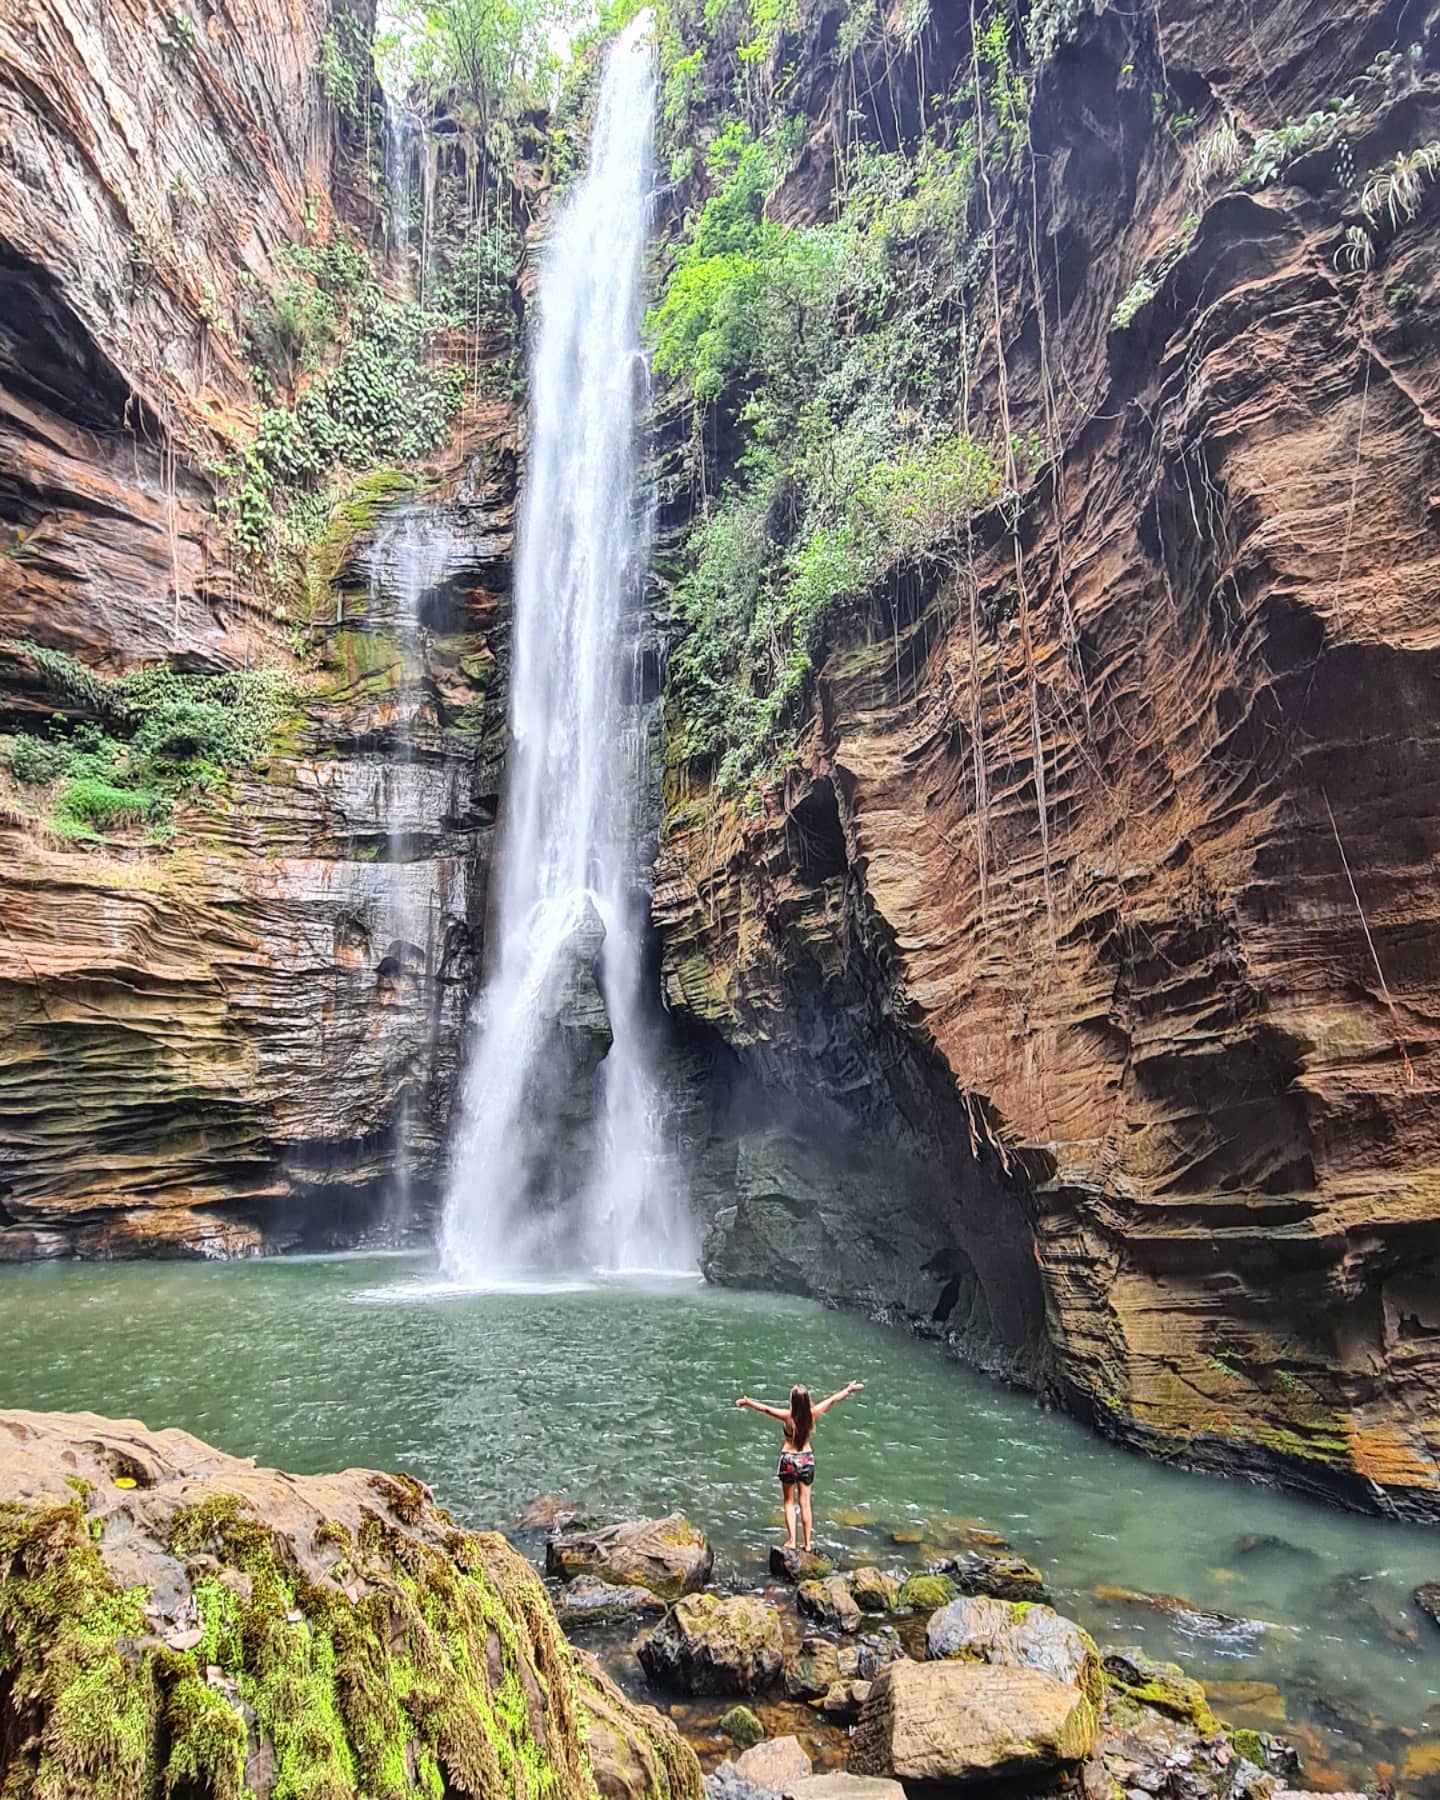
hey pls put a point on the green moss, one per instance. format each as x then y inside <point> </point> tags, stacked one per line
<point>437,1669</point>
<point>1249,1745</point>
<point>65,1626</point>
<point>1164,1687</point>
<point>926,1593</point>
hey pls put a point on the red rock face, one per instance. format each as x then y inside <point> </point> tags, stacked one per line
<point>1143,855</point>
<point>213,1047</point>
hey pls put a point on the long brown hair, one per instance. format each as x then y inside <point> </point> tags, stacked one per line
<point>802,1417</point>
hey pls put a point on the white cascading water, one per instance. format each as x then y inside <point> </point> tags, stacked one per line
<point>516,1203</point>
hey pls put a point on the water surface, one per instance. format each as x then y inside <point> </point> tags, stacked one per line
<point>619,1395</point>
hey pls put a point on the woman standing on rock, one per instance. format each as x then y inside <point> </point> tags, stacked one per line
<point>797,1459</point>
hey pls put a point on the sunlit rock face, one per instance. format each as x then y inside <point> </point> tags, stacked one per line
<point>1206,1056</point>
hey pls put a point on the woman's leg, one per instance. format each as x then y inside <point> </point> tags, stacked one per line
<point>787,1497</point>
<point>805,1518</point>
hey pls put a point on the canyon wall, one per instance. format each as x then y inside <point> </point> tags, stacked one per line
<point>229,1036</point>
<point>1112,824</point>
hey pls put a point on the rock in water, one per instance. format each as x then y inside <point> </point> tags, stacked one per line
<point>709,1644</point>
<point>874,1590</point>
<point>668,1556</point>
<point>775,1764</point>
<point>589,1601</point>
<point>943,1724</point>
<point>1427,1598</point>
<point>1164,1686</point>
<point>830,1601</point>
<point>321,1601</point>
<point>1000,1577</point>
<point>787,1564</point>
<point>1015,1635</point>
<point>741,1727</point>
<point>926,1593</point>
<point>813,1670</point>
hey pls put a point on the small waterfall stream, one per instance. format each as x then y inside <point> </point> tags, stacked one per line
<point>560,1160</point>
<point>413,554</point>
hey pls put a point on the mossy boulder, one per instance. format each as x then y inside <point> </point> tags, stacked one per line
<point>715,1644</point>
<point>1000,1577</point>
<point>741,1726</point>
<point>1163,1686</point>
<point>175,1621</point>
<point>926,1593</point>
<point>787,1563</point>
<point>668,1556</point>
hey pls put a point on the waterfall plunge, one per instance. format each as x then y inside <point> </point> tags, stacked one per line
<point>521,1198</point>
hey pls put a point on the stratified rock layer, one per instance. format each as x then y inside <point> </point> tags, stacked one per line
<point>250,1038</point>
<point>164,1607</point>
<point>1141,883</point>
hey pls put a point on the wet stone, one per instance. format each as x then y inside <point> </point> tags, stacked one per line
<point>708,1644</point>
<point>741,1727</point>
<point>831,1602</point>
<point>799,1565</point>
<point>1427,1598</point>
<point>813,1670</point>
<point>589,1601</point>
<point>873,1590</point>
<point>999,1577</point>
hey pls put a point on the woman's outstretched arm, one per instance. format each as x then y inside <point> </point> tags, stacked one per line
<point>853,1387</point>
<point>774,1412</point>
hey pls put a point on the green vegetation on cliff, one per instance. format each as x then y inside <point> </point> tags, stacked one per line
<point>827,368</point>
<point>140,741</point>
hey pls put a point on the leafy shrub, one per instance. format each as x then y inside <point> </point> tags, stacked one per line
<point>162,732</point>
<point>1137,296</point>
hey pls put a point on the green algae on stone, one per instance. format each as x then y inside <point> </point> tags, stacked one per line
<point>1162,1686</point>
<point>926,1593</point>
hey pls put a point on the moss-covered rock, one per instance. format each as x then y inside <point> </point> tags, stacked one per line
<point>191,1624</point>
<point>926,1593</point>
<point>1164,1686</point>
<point>713,1644</point>
<point>741,1726</point>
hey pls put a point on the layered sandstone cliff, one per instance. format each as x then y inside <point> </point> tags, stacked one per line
<point>1113,831</point>
<point>233,1033</point>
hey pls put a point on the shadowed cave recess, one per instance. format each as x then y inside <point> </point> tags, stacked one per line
<point>1041,950</point>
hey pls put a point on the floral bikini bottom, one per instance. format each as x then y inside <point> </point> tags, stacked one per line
<point>797,1465</point>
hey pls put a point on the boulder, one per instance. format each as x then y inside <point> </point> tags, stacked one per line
<point>874,1590</point>
<point>589,1601</point>
<point>548,1512</point>
<point>843,1701</point>
<point>635,1752</point>
<point>668,1556</point>
<point>774,1764</point>
<point>795,1566</point>
<point>741,1727</point>
<point>865,1660</point>
<point>1427,1598</point>
<point>830,1601</point>
<point>1012,1634</point>
<point>1161,1685</point>
<point>813,1670</point>
<point>949,1724</point>
<point>712,1644</point>
<point>926,1593</point>
<point>726,1784</point>
<point>999,1577</point>
<point>159,1581</point>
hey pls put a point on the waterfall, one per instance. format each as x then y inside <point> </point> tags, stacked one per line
<point>560,1159</point>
